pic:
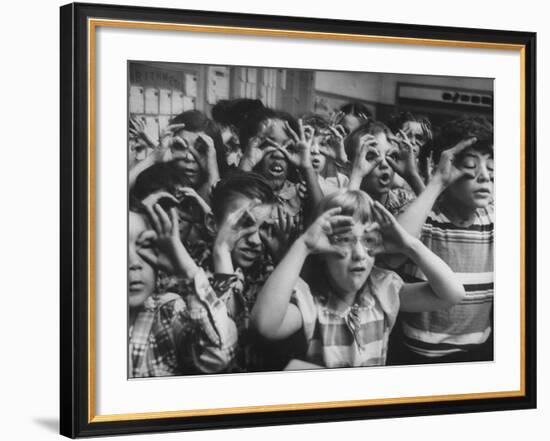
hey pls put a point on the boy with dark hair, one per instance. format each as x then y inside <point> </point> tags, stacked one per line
<point>454,218</point>
<point>237,265</point>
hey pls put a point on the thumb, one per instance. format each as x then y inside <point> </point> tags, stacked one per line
<point>393,165</point>
<point>376,251</point>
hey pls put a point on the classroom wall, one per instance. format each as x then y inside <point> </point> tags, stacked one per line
<point>382,88</point>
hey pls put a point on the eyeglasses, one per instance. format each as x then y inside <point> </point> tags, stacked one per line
<point>369,241</point>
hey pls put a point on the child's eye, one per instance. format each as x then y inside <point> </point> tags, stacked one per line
<point>394,156</point>
<point>490,165</point>
<point>370,241</point>
<point>147,244</point>
<point>342,240</point>
<point>469,163</point>
<point>371,156</point>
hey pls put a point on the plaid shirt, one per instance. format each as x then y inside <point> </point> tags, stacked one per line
<point>174,336</point>
<point>289,199</point>
<point>357,336</point>
<point>398,199</point>
<point>237,291</point>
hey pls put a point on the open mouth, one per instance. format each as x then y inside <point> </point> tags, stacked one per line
<point>277,169</point>
<point>358,270</point>
<point>384,179</point>
<point>316,162</point>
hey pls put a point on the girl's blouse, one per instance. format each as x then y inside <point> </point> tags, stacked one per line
<point>357,336</point>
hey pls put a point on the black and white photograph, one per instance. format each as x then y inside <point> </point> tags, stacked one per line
<point>294,219</point>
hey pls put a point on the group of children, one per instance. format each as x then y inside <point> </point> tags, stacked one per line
<point>260,242</point>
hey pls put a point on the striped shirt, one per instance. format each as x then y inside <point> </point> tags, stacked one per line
<point>357,336</point>
<point>469,253</point>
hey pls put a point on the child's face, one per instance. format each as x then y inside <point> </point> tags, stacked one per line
<point>350,123</point>
<point>138,149</point>
<point>318,160</point>
<point>184,159</point>
<point>189,217</point>
<point>348,273</point>
<point>274,166</point>
<point>379,181</point>
<point>141,275</point>
<point>249,249</point>
<point>416,135</point>
<point>477,191</point>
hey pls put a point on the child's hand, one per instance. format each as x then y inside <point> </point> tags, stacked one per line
<point>167,139</point>
<point>205,153</point>
<point>238,224</point>
<point>301,187</point>
<point>336,118</point>
<point>257,147</point>
<point>406,166</point>
<point>298,150</point>
<point>166,238</point>
<point>278,234</point>
<point>447,172</point>
<point>316,237</point>
<point>395,238</point>
<point>335,145</point>
<point>368,157</point>
<point>190,193</point>
<point>137,130</point>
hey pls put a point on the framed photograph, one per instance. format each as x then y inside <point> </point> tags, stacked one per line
<point>273,220</point>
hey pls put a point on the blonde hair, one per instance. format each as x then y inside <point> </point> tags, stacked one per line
<point>355,203</point>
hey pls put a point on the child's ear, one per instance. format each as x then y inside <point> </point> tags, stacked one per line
<point>210,224</point>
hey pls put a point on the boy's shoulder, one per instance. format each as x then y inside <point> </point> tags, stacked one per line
<point>166,303</point>
<point>381,279</point>
<point>437,218</point>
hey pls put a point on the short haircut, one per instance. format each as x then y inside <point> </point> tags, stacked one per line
<point>316,121</point>
<point>351,144</point>
<point>163,176</point>
<point>354,203</point>
<point>248,116</point>
<point>234,112</point>
<point>240,183</point>
<point>356,108</point>
<point>196,121</point>
<point>397,121</point>
<point>460,129</point>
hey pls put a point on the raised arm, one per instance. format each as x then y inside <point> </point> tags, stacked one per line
<point>298,153</point>
<point>366,160</point>
<point>273,316</point>
<point>407,166</point>
<point>413,218</point>
<point>206,336</point>
<point>160,149</point>
<point>229,233</point>
<point>443,288</point>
